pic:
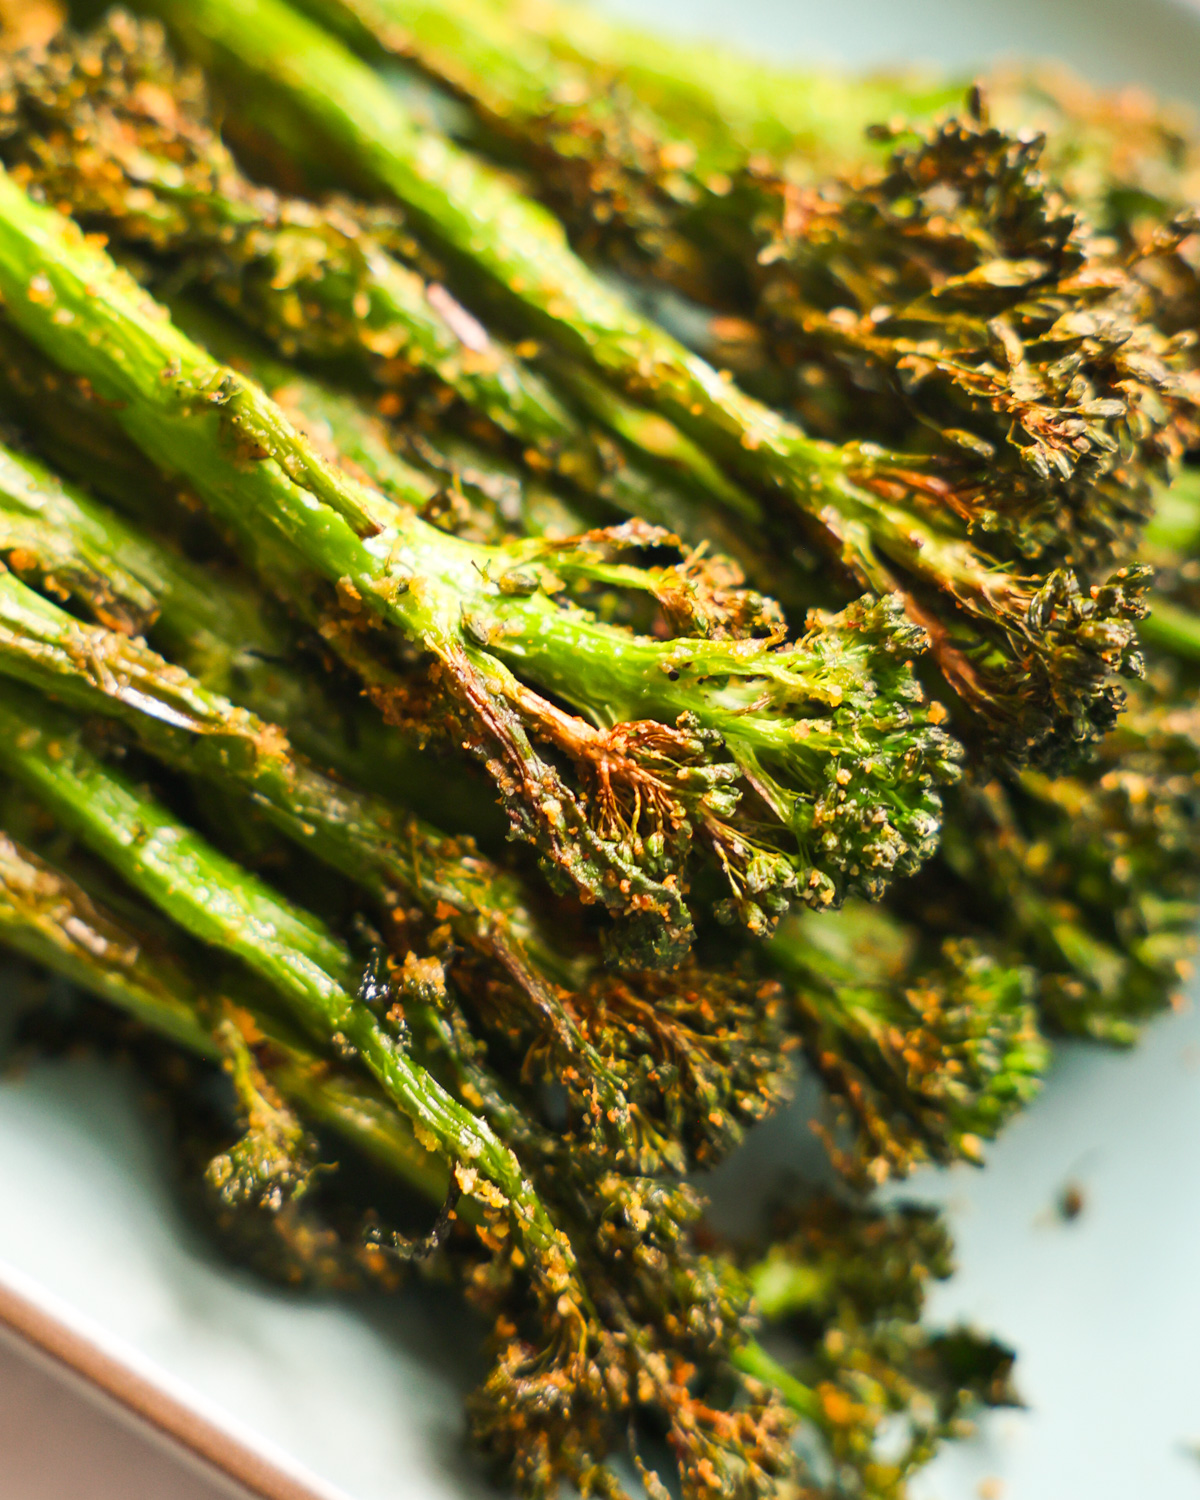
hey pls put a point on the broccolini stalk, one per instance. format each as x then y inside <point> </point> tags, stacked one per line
<point>925,1051</point>
<point>229,637</point>
<point>1038,687</point>
<point>828,734</point>
<point>727,99</point>
<point>47,916</point>
<point>628,137</point>
<point>306,966</point>
<point>338,283</point>
<point>1022,360</point>
<point>394,857</point>
<point>208,619</point>
<point>851,1282</point>
<point>475,492</point>
<point>319,283</point>
<point>86,567</point>
<point>461,489</point>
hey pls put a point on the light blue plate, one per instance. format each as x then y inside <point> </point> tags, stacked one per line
<point>1105,1310</point>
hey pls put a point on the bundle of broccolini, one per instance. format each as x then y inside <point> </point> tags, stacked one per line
<point>1028,650</point>
<point>342,538</point>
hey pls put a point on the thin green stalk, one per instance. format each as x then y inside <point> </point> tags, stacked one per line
<point>635,141</point>
<point>46,916</point>
<point>394,857</point>
<point>92,567</point>
<point>725,102</point>
<point>306,966</point>
<point>753,1360</point>
<point>515,245</point>
<point>500,499</point>
<point>230,637</point>
<point>1169,628</point>
<point>49,919</point>
<point>209,618</point>
<point>520,505</point>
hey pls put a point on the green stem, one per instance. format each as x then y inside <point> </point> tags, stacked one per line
<point>46,916</point>
<point>648,492</point>
<point>322,285</point>
<point>209,619</point>
<point>1171,629</point>
<point>365,445</point>
<point>727,104</point>
<point>391,856</point>
<point>636,142</point>
<point>307,968</point>
<point>753,1360</point>
<point>49,919</point>
<point>99,569</point>
<point>512,243</point>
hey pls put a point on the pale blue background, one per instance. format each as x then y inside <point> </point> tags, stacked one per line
<point>1105,1311</point>
<point>1146,41</point>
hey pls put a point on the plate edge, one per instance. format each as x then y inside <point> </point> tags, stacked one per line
<point>202,1439</point>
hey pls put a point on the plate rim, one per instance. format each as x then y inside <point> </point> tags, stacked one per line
<point>81,1352</point>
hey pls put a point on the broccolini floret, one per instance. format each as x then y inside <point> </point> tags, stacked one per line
<point>925,1048</point>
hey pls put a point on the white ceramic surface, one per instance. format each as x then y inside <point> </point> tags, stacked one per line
<point>1105,1310</point>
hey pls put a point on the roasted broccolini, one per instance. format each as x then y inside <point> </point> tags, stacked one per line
<point>393,510</point>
